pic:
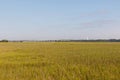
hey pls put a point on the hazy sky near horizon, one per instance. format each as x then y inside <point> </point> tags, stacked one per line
<point>59,19</point>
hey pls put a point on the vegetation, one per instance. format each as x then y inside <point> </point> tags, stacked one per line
<point>84,40</point>
<point>4,40</point>
<point>60,61</point>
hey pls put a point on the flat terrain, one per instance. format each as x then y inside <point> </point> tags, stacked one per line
<point>60,61</point>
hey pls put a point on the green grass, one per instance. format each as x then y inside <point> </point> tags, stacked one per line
<point>60,61</point>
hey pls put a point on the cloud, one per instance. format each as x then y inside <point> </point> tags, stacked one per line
<point>98,14</point>
<point>99,23</point>
<point>95,13</point>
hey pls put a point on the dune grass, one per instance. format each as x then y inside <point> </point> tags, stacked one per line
<point>60,61</point>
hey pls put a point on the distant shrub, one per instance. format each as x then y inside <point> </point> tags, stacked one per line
<point>4,41</point>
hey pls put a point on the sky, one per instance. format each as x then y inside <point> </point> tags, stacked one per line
<point>59,19</point>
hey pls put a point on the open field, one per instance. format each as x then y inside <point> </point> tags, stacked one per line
<point>60,61</point>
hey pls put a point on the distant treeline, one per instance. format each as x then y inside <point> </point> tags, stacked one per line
<point>4,41</point>
<point>97,40</point>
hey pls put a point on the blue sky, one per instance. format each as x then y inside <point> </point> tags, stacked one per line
<point>59,19</point>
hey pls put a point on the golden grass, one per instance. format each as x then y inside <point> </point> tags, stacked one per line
<point>60,61</point>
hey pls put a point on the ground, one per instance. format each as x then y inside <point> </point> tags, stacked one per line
<point>60,61</point>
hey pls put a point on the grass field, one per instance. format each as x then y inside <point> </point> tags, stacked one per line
<point>60,61</point>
